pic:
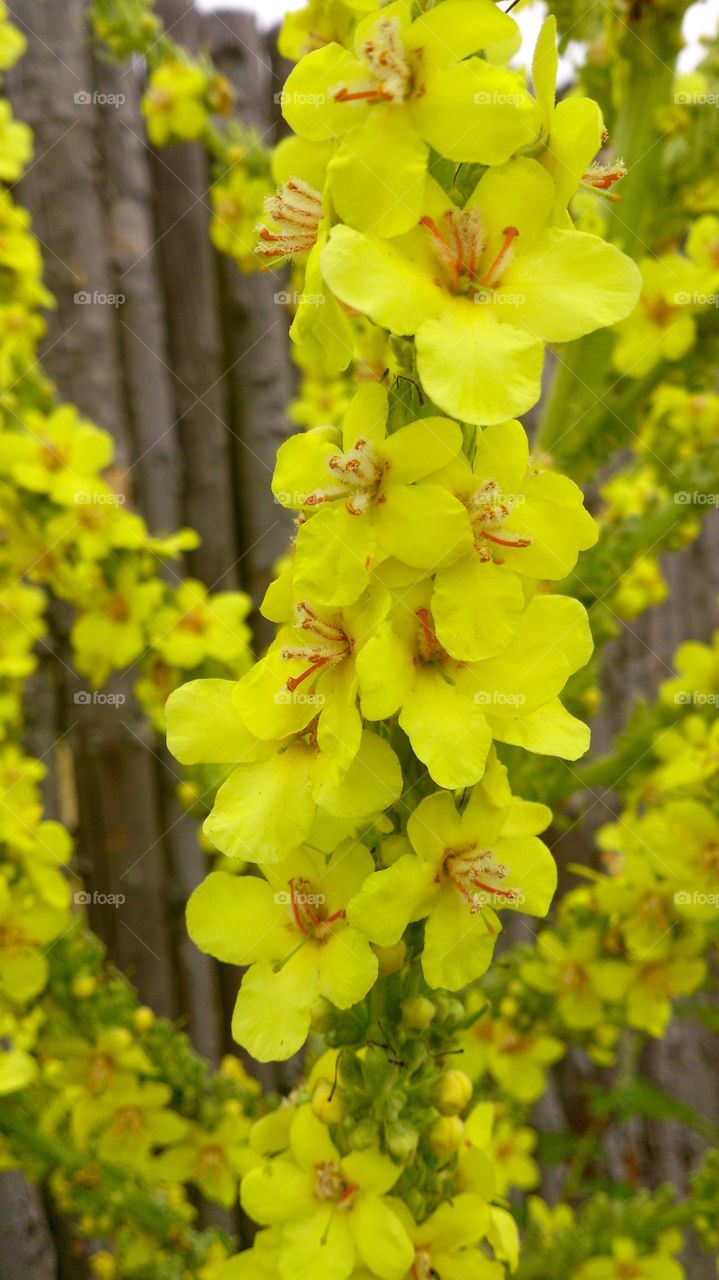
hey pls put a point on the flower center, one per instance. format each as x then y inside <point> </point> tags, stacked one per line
<point>211,1161</point>
<point>118,608</point>
<point>488,509</point>
<point>422,1266</point>
<point>390,72</point>
<point>575,979</point>
<point>330,1184</point>
<point>194,621</point>
<point>130,1120</point>
<point>477,875</point>
<point>709,860</point>
<point>428,647</point>
<point>308,910</point>
<point>357,475</point>
<point>329,646</point>
<point>602,177</point>
<point>52,457</point>
<point>459,242</point>
<point>296,212</point>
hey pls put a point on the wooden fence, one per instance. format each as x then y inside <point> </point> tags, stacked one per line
<point>191,374</point>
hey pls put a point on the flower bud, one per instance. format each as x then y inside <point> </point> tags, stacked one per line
<point>454,1092</point>
<point>325,1102</point>
<point>363,1135</point>
<point>319,1019</point>
<point>446,1135</point>
<point>117,1040</point>
<point>144,1018</point>
<point>416,1204</point>
<point>390,959</point>
<point>401,1140</point>
<point>103,1265</point>
<point>84,985</point>
<point>418,1012</point>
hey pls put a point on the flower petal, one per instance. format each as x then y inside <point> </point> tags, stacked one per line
<point>348,968</point>
<point>458,945</point>
<point>378,278</point>
<point>309,97</point>
<point>448,732</point>
<point>203,726</point>
<point>457,28</point>
<point>568,284</point>
<point>289,992</point>
<point>380,1239</point>
<point>476,368</point>
<point>371,784</point>
<point>422,525</point>
<point>264,810</point>
<point>237,919</point>
<point>377,176</point>
<point>390,899</point>
<point>474,112</point>
<point>476,608</point>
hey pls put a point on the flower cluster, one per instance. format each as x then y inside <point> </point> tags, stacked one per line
<point>440,222</point>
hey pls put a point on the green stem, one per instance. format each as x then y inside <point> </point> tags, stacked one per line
<point>647,72</point>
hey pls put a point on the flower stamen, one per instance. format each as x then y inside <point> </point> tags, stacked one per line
<point>296,212</point>
<point>491,277</point>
